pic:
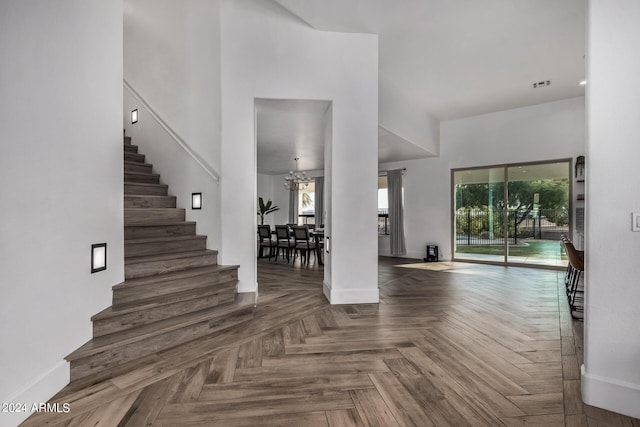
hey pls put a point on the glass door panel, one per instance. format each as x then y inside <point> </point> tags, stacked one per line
<point>538,213</point>
<point>479,214</point>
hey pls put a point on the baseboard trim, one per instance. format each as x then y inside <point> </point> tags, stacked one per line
<point>39,390</point>
<point>326,290</point>
<point>610,394</point>
<point>350,296</point>
<point>409,255</point>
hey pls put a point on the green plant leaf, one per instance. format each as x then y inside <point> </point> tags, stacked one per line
<point>265,208</point>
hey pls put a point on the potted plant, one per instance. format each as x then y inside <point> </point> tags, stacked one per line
<point>265,209</point>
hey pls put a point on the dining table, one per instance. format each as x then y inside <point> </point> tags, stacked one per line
<point>318,236</point>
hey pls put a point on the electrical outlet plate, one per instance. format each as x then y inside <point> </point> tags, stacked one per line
<point>635,221</point>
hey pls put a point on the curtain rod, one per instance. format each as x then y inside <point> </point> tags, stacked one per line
<point>385,171</point>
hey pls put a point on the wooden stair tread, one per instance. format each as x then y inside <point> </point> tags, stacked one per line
<point>132,163</point>
<point>176,275</point>
<point>140,333</point>
<point>138,156</point>
<point>146,184</point>
<point>146,246</point>
<point>148,303</point>
<point>152,209</point>
<point>149,196</point>
<point>149,201</point>
<point>144,215</point>
<point>165,239</point>
<point>163,257</point>
<point>159,223</point>
<point>141,173</point>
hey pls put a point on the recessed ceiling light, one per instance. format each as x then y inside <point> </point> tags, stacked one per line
<point>583,83</point>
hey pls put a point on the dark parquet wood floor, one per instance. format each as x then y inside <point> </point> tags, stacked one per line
<point>448,345</point>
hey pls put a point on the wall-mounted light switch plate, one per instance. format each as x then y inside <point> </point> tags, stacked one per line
<point>635,221</point>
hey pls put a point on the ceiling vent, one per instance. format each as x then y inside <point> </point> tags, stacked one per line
<point>543,83</point>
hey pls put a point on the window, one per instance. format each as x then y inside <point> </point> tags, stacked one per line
<point>383,206</point>
<point>307,205</point>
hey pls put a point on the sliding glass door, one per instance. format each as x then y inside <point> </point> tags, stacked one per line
<point>479,212</point>
<point>512,213</point>
<point>538,212</point>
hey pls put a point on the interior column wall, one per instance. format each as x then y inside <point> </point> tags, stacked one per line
<point>269,53</point>
<point>611,374</point>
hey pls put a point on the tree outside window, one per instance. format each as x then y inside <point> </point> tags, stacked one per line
<point>307,205</point>
<point>383,205</point>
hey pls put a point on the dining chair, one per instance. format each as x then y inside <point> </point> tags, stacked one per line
<point>303,241</point>
<point>264,233</point>
<point>285,242</point>
<point>572,276</point>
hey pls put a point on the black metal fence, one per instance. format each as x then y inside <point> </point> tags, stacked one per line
<point>486,227</point>
<point>383,221</point>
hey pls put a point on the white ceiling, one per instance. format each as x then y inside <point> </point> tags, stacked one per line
<point>287,129</point>
<point>448,58</point>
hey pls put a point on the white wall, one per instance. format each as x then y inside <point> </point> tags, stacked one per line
<point>268,53</point>
<point>611,370</point>
<point>62,185</point>
<point>172,59</point>
<point>541,132</point>
<point>410,122</point>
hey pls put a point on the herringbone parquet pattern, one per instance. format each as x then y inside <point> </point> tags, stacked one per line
<point>456,345</point>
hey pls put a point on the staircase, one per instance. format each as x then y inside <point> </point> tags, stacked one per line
<point>174,290</point>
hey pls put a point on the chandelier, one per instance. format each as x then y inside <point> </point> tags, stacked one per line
<point>296,180</point>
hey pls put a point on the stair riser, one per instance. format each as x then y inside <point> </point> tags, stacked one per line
<point>168,247</point>
<point>134,157</point>
<point>143,216</point>
<point>142,232</point>
<point>144,269</point>
<point>127,140</point>
<point>145,178</point>
<point>130,148</point>
<point>138,167</point>
<point>149,202</point>
<point>166,311</point>
<point>119,355</point>
<point>145,190</point>
<point>218,282</point>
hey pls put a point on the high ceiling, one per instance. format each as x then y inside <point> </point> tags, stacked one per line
<point>288,129</point>
<point>459,58</point>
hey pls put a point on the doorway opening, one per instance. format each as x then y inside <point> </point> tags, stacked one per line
<point>293,137</point>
